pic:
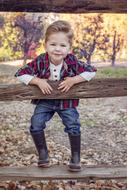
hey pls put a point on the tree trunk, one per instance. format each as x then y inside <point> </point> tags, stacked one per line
<point>89,59</point>
<point>24,59</point>
<point>114,49</point>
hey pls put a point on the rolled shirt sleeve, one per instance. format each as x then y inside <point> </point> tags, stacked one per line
<point>25,78</point>
<point>88,75</point>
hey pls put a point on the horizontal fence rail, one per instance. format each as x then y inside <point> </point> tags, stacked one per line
<point>92,89</point>
<point>97,88</point>
<point>61,172</point>
<point>65,6</point>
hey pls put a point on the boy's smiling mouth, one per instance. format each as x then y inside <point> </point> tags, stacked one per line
<point>57,54</point>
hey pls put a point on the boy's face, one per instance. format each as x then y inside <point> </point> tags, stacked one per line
<point>58,47</point>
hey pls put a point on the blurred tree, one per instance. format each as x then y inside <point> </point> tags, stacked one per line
<point>116,42</point>
<point>8,38</point>
<point>103,50</point>
<point>93,38</point>
<point>32,29</point>
<point>2,22</point>
<point>12,42</point>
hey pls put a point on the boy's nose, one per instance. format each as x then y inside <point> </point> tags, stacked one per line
<point>57,48</point>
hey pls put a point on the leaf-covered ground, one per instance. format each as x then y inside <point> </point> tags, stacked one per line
<point>104,141</point>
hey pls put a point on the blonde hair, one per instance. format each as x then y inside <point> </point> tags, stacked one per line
<point>60,26</point>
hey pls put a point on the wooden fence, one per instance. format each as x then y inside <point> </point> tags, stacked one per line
<point>97,88</point>
<point>65,6</point>
<point>94,89</point>
<point>61,172</point>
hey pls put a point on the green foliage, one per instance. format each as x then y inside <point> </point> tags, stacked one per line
<point>110,72</point>
<point>8,38</point>
<point>7,54</point>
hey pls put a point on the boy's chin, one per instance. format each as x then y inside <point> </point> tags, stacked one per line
<point>57,61</point>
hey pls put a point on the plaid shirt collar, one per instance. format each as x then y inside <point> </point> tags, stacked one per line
<point>69,60</point>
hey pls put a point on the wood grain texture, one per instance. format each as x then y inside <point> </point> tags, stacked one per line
<point>61,172</point>
<point>65,6</point>
<point>97,88</point>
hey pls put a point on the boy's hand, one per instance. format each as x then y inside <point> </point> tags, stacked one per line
<point>44,86</point>
<point>65,85</point>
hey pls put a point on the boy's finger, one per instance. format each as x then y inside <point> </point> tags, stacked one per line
<point>67,89</point>
<point>60,87</point>
<point>48,91</point>
<point>50,87</point>
<point>64,89</point>
<point>43,91</point>
<point>62,83</point>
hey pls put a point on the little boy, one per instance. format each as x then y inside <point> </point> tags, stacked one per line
<point>56,64</point>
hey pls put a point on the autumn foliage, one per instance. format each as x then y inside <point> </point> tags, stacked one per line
<point>98,37</point>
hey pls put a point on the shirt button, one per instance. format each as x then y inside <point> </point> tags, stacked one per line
<point>54,70</point>
<point>56,76</point>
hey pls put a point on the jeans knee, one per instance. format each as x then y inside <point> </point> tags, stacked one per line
<point>72,130</point>
<point>35,128</point>
<point>37,125</point>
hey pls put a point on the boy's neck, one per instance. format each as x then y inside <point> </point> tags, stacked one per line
<point>55,63</point>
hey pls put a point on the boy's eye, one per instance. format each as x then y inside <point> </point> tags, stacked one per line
<point>63,45</point>
<point>52,44</point>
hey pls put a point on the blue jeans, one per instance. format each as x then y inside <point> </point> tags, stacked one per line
<point>45,110</point>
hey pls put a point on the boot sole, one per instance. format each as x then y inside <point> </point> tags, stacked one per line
<point>74,170</point>
<point>47,165</point>
<point>44,164</point>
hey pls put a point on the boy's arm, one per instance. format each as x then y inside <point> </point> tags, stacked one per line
<point>25,78</point>
<point>30,68</point>
<point>83,72</point>
<point>85,76</point>
<point>42,84</point>
<point>68,82</point>
<point>33,80</point>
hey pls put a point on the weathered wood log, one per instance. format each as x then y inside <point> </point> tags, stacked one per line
<point>111,87</point>
<point>60,172</point>
<point>65,6</point>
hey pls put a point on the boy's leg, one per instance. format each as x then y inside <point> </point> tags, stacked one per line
<point>41,115</point>
<point>70,118</point>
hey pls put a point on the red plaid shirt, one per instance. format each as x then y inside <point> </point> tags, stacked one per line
<point>71,67</point>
